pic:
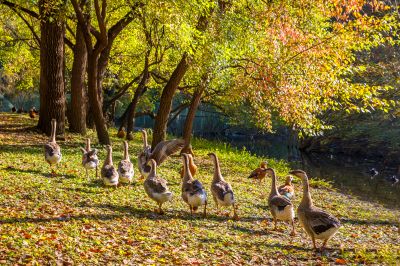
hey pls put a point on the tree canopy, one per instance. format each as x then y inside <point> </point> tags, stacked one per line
<point>270,62</point>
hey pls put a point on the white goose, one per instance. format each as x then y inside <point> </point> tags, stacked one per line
<point>52,151</point>
<point>89,158</point>
<point>221,190</point>
<point>160,153</point>
<point>108,171</point>
<point>125,167</point>
<point>193,192</point>
<point>156,187</point>
<point>318,223</point>
<point>281,207</point>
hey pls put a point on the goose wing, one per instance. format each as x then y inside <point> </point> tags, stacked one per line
<point>285,189</point>
<point>91,156</point>
<point>257,173</point>
<point>157,185</point>
<point>125,166</point>
<point>280,202</point>
<point>108,171</point>
<point>51,148</point>
<point>221,188</point>
<point>321,221</point>
<point>166,148</point>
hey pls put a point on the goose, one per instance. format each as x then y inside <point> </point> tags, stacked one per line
<point>160,153</point>
<point>52,151</point>
<point>281,207</point>
<point>89,158</point>
<point>108,171</point>
<point>156,187</point>
<point>316,222</point>
<point>221,190</point>
<point>125,167</point>
<point>287,190</point>
<point>121,133</point>
<point>372,173</point>
<point>259,173</point>
<point>32,112</point>
<point>192,166</point>
<point>193,192</point>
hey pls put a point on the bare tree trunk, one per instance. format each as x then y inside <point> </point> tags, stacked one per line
<point>160,125</point>
<point>52,98</point>
<point>139,92</point>
<point>94,100</point>
<point>188,126</point>
<point>77,122</point>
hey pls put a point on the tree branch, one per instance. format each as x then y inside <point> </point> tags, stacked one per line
<point>84,25</point>
<point>123,89</point>
<point>15,7</point>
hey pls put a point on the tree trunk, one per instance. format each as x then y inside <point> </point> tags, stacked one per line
<point>139,92</point>
<point>94,100</point>
<point>160,125</point>
<point>52,98</point>
<point>77,121</point>
<point>188,126</point>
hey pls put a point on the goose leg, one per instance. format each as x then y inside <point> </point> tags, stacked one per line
<point>205,210</point>
<point>235,215</point>
<point>293,233</point>
<point>216,203</point>
<point>275,228</point>
<point>87,176</point>
<point>313,241</point>
<point>160,211</point>
<point>324,244</point>
<point>191,210</point>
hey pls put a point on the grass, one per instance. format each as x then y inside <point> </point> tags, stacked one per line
<point>69,219</point>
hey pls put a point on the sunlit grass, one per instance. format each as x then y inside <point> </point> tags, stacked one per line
<point>71,219</point>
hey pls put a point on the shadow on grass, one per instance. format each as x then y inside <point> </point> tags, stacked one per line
<point>127,211</point>
<point>37,172</point>
<point>368,222</point>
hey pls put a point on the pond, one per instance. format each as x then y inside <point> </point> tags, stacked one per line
<point>347,174</point>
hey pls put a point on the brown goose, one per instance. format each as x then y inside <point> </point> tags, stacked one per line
<point>259,173</point>
<point>192,166</point>
<point>281,207</point>
<point>318,223</point>
<point>221,190</point>
<point>193,192</point>
<point>52,152</point>
<point>156,187</point>
<point>89,158</point>
<point>160,153</point>
<point>287,190</point>
<point>121,133</point>
<point>108,171</point>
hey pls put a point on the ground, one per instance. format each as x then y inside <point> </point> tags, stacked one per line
<point>69,219</point>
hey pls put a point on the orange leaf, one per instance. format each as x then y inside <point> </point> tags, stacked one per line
<point>340,261</point>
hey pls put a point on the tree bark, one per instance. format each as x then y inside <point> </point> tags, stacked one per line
<point>160,125</point>
<point>52,98</point>
<point>94,101</point>
<point>139,92</point>
<point>188,126</point>
<point>77,121</point>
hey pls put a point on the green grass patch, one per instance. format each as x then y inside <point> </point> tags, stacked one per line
<point>69,219</point>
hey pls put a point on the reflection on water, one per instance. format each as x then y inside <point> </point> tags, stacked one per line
<point>347,174</point>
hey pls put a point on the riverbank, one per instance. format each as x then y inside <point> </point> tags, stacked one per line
<point>69,219</point>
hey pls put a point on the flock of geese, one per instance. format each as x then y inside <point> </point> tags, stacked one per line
<point>318,223</point>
